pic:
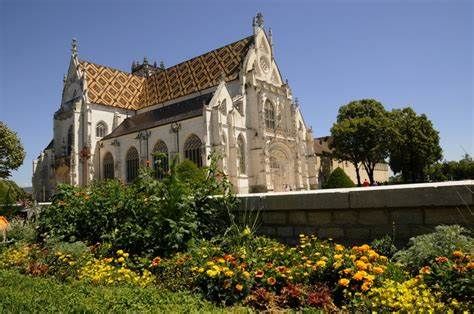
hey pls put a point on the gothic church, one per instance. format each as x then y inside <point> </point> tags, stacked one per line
<point>232,100</point>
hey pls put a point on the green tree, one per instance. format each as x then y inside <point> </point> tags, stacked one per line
<point>12,153</point>
<point>338,179</point>
<point>414,145</point>
<point>452,170</point>
<point>360,135</point>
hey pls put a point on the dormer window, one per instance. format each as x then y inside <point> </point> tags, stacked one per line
<point>101,129</point>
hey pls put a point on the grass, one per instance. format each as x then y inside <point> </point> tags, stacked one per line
<point>25,294</point>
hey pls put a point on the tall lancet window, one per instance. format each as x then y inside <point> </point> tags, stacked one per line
<point>160,159</point>
<point>101,129</point>
<point>132,162</point>
<point>108,165</point>
<point>269,115</point>
<point>192,150</point>
<point>70,138</point>
<point>241,155</point>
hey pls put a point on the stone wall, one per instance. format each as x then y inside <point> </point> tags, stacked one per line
<point>359,215</point>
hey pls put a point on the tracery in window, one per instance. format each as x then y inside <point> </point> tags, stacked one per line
<point>132,162</point>
<point>160,159</point>
<point>108,165</point>
<point>192,150</point>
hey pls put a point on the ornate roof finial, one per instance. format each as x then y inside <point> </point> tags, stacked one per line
<point>145,60</point>
<point>162,65</point>
<point>154,64</point>
<point>74,47</point>
<point>259,20</point>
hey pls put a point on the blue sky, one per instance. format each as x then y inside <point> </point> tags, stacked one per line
<point>417,53</point>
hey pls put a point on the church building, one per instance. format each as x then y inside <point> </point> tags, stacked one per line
<point>232,100</point>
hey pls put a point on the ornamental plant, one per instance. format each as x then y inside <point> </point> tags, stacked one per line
<point>452,275</point>
<point>148,217</point>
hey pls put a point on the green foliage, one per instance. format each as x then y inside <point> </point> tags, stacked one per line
<point>425,248</point>
<point>414,144</point>
<point>22,231</point>
<point>384,246</point>
<point>338,179</point>
<point>10,193</point>
<point>452,170</point>
<point>12,153</point>
<point>147,217</point>
<point>360,135</point>
<point>23,294</point>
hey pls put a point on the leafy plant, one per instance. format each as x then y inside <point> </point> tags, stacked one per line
<point>384,246</point>
<point>425,248</point>
<point>22,231</point>
<point>338,179</point>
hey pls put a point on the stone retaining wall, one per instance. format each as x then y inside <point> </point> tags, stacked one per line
<point>359,215</point>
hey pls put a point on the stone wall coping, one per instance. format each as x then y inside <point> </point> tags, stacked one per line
<point>439,194</point>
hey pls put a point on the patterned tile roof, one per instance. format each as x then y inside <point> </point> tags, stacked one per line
<point>113,87</point>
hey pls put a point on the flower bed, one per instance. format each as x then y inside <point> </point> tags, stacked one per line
<point>263,274</point>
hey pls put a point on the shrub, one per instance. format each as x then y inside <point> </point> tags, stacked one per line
<point>22,231</point>
<point>338,179</point>
<point>147,217</point>
<point>384,246</point>
<point>425,248</point>
<point>452,275</point>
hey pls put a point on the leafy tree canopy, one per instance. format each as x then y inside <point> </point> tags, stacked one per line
<point>452,170</point>
<point>360,135</point>
<point>338,179</point>
<point>414,145</point>
<point>12,153</point>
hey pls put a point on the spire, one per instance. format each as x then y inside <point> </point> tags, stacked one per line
<point>74,47</point>
<point>258,20</point>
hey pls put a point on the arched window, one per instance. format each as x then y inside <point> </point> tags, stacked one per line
<point>132,164</point>
<point>108,165</point>
<point>241,154</point>
<point>269,115</point>
<point>69,141</point>
<point>192,150</point>
<point>160,159</point>
<point>101,129</point>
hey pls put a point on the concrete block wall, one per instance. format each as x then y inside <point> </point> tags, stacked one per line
<point>359,215</point>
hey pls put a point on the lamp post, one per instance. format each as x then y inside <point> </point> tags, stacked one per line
<point>175,126</point>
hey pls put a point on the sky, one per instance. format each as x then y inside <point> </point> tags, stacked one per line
<point>402,53</point>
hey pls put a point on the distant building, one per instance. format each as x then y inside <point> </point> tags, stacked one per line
<point>326,165</point>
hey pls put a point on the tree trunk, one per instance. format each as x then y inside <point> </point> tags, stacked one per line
<point>356,166</point>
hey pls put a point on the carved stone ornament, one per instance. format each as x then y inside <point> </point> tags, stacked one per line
<point>264,64</point>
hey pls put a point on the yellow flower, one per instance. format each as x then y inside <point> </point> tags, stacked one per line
<point>239,287</point>
<point>120,259</point>
<point>211,273</point>
<point>229,273</point>
<point>246,274</point>
<point>458,254</point>
<point>321,263</point>
<point>338,256</point>
<point>338,247</point>
<point>344,282</point>
<point>366,286</point>
<point>119,252</point>
<point>347,271</point>
<point>125,255</point>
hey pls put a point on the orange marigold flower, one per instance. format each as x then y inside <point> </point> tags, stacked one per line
<point>259,274</point>
<point>338,256</point>
<point>378,270</point>
<point>156,261</point>
<point>227,283</point>
<point>441,259</point>
<point>271,281</point>
<point>361,265</point>
<point>281,269</point>
<point>458,254</point>
<point>359,275</point>
<point>366,286</point>
<point>344,282</point>
<point>239,287</point>
<point>347,271</point>
<point>338,247</point>
<point>425,270</point>
<point>470,265</point>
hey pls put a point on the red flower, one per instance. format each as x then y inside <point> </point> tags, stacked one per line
<point>259,274</point>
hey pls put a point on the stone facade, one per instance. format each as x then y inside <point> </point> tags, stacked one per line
<point>250,119</point>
